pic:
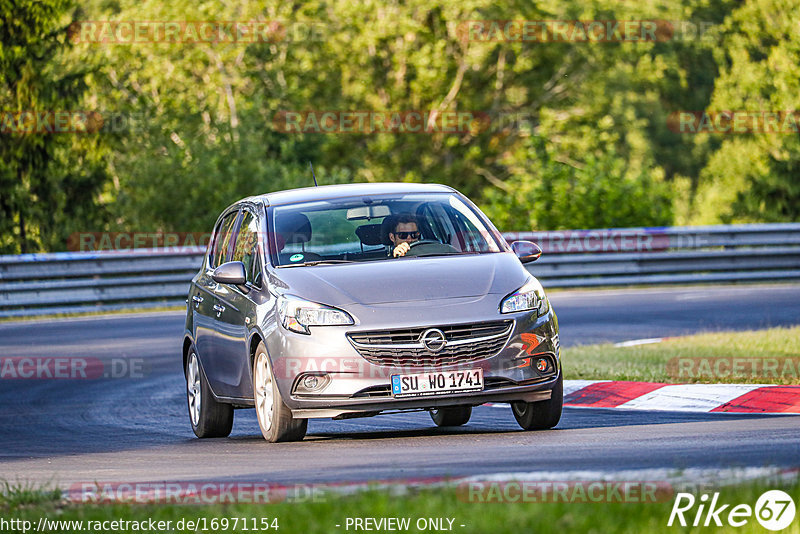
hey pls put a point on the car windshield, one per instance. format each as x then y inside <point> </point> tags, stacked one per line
<point>368,228</point>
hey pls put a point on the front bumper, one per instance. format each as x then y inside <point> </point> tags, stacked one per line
<point>315,408</point>
<point>355,386</point>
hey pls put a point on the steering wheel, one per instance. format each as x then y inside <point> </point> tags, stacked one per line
<point>423,242</point>
<point>429,246</point>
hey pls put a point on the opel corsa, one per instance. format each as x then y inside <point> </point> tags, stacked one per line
<point>303,309</point>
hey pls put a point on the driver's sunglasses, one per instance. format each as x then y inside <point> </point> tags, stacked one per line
<point>406,235</point>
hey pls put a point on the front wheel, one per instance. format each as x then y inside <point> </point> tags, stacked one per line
<point>451,416</point>
<point>543,414</point>
<point>274,417</point>
<point>209,417</point>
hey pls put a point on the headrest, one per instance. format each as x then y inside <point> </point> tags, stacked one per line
<point>293,227</point>
<point>370,234</point>
<point>387,226</point>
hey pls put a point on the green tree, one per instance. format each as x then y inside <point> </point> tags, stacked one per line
<point>49,182</point>
<point>200,134</point>
<point>579,133</point>
<point>754,177</point>
<point>548,192</point>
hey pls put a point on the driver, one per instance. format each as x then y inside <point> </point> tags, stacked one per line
<point>404,232</point>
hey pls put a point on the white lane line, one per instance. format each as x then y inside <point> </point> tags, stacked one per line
<point>635,342</point>
<point>693,296</point>
<point>681,479</point>
<point>657,473</point>
<point>689,397</point>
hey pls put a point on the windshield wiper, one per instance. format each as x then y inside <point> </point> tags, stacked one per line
<point>315,262</point>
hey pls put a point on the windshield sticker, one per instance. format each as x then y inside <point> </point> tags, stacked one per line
<point>296,257</point>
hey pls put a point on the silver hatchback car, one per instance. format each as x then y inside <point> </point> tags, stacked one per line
<point>355,300</point>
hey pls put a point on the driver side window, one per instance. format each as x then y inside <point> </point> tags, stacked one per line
<point>222,239</point>
<point>246,248</point>
<point>442,226</point>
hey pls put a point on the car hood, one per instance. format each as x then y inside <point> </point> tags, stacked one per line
<point>405,280</point>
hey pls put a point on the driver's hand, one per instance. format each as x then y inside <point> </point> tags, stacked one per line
<point>401,249</point>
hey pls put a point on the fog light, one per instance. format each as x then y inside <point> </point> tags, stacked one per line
<point>542,365</point>
<point>311,383</point>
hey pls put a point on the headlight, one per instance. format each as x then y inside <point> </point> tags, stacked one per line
<point>297,314</point>
<point>529,297</point>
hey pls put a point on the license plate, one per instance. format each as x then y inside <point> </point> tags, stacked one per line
<point>424,384</point>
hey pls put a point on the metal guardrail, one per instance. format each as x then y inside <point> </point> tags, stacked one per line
<point>36,284</point>
<point>666,255</point>
<point>68,282</point>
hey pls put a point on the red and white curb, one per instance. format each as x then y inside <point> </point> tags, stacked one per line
<point>657,396</point>
<point>737,398</point>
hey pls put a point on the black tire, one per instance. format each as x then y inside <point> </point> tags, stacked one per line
<point>211,419</point>
<point>451,416</point>
<point>543,414</point>
<point>274,417</point>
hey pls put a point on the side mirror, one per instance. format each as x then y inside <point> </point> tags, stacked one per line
<point>526,251</point>
<point>230,273</point>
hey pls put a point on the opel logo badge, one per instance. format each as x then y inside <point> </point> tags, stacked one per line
<point>433,339</point>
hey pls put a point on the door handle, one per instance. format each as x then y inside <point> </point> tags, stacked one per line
<point>219,308</point>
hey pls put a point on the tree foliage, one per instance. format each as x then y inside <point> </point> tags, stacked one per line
<point>49,183</point>
<point>756,177</point>
<point>578,134</point>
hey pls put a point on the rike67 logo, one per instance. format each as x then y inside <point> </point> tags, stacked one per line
<point>774,510</point>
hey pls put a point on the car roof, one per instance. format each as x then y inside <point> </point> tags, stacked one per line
<point>325,192</point>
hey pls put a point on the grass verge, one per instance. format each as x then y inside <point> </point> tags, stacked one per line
<point>756,357</point>
<point>447,503</point>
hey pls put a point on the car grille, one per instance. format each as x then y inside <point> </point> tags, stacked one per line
<point>403,347</point>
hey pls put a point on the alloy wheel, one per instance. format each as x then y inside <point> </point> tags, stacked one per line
<point>193,388</point>
<point>263,391</point>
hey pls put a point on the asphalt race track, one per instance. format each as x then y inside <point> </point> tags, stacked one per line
<point>137,429</point>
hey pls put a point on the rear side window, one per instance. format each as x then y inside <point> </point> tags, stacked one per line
<point>222,239</point>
